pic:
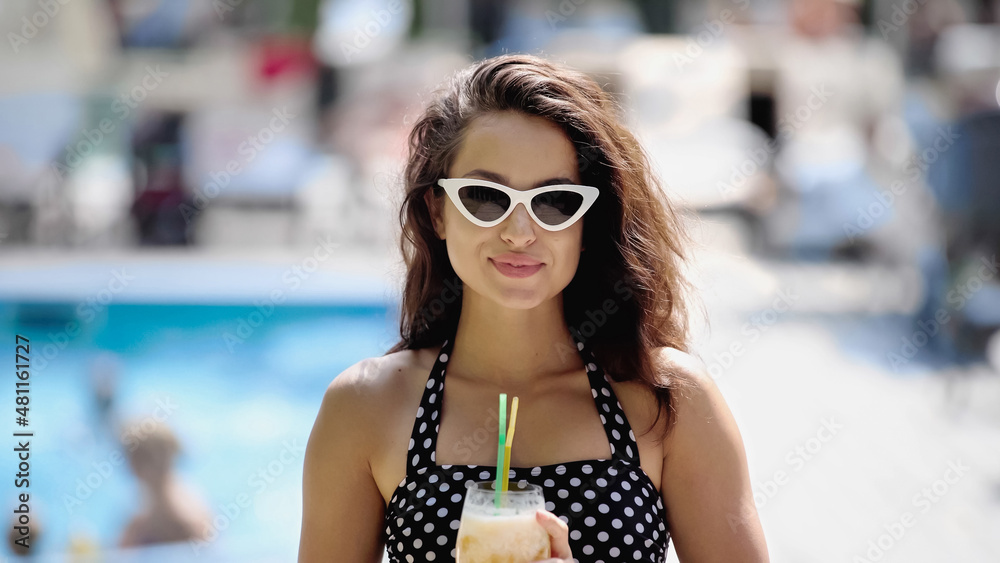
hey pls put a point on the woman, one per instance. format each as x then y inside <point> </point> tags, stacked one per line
<point>582,318</point>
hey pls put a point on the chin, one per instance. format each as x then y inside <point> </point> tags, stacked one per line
<point>519,298</point>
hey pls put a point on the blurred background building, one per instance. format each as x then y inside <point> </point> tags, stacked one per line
<point>199,223</point>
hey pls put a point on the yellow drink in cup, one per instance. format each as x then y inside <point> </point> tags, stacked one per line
<point>509,534</point>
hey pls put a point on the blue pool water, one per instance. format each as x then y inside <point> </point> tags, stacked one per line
<point>241,402</point>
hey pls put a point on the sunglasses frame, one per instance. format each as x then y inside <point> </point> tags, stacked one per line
<point>452,185</point>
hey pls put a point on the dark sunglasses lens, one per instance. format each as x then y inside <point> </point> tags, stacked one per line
<point>556,207</point>
<point>485,203</point>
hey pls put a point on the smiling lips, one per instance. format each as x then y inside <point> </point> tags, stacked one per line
<point>516,265</point>
<point>515,259</point>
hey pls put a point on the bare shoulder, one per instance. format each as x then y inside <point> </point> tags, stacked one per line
<point>705,481</point>
<point>343,500</point>
<point>374,387</point>
<point>682,370</point>
<point>687,378</point>
<point>376,398</point>
<point>364,380</point>
<point>701,410</point>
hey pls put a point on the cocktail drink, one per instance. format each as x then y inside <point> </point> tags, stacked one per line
<point>508,534</point>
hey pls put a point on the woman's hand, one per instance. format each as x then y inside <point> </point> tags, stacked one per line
<point>558,537</point>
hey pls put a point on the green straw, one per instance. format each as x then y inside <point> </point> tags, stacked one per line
<point>500,448</point>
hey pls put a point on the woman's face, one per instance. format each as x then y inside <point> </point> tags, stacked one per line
<point>520,151</point>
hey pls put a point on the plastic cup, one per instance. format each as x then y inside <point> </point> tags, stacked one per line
<point>509,534</point>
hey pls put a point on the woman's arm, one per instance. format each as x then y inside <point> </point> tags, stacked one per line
<point>705,481</point>
<point>342,508</point>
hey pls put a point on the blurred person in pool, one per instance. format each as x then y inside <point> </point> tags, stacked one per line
<point>543,260</point>
<point>104,373</point>
<point>171,512</point>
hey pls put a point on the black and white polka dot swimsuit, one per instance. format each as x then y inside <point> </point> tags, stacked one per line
<point>613,510</point>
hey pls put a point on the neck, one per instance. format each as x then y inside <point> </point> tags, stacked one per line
<point>512,347</point>
<point>159,489</point>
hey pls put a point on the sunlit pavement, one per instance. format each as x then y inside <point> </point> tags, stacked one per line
<point>850,460</point>
<point>843,453</point>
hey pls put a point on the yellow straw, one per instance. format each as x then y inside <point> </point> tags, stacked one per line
<point>510,440</point>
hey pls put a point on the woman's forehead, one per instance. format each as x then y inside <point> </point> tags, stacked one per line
<point>525,149</point>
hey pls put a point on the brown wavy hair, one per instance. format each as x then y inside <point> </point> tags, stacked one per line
<point>636,246</point>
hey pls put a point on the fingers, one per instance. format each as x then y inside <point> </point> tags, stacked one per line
<point>558,534</point>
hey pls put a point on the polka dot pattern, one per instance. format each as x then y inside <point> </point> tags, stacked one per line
<point>612,508</point>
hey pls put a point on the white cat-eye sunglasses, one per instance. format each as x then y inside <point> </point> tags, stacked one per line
<point>487,203</point>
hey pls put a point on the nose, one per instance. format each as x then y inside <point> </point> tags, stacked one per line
<point>518,228</point>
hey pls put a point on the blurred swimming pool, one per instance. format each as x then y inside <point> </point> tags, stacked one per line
<point>239,386</point>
